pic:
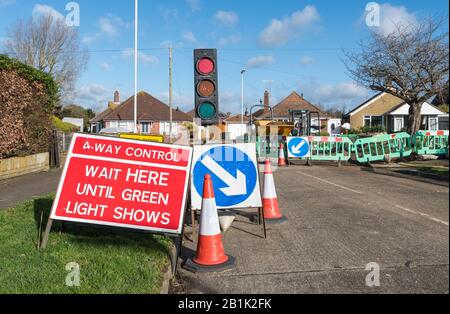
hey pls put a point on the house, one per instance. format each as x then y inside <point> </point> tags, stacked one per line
<point>391,112</point>
<point>236,125</point>
<point>281,112</point>
<point>153,116</point>
<point>97,123</point>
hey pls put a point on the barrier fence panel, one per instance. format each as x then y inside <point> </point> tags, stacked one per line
<point>330,148</point>
<point>268,146</point>
<point>382,147</point>
<point>431,142</point>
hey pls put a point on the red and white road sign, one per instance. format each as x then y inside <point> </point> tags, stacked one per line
<point>124,183</point>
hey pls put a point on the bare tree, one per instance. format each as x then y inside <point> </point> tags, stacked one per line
<point>410,63</point>
<point>48,44</point>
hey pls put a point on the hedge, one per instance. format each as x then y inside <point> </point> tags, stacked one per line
<point>27,100</point>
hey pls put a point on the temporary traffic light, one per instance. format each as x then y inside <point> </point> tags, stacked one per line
<point>206,86</point>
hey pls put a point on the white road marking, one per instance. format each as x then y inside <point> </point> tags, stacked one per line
<point>331,183</point>
<point>423,215</point>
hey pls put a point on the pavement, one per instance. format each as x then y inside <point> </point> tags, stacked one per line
<point>16,190</point>
<point>339,220</point>
<point>435,170</point>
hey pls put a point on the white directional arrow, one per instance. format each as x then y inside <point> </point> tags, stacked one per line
<point>236,186</point>
<point>296,149</point>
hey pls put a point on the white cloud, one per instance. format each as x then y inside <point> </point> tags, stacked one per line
<point>195,5</point>
<point>335,94</point>
<point>94,96</point>
<point>306,60</point>
<point>170,44</point>
<point>41,9</point>
<point>185,101</point>
<point>4,3</point>
<point>279,32</point>
<point>143,57</point>
<point>189,37</point>
<point>230,101</point>
<point>392,17</point>
<point>226,18</point>
<point>106,67</point>
<point>229,40</point>
<point>109,26</point>
<point>259,61</point>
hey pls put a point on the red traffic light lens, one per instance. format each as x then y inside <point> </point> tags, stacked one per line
<point>206,88</point>
<point>205,66</point>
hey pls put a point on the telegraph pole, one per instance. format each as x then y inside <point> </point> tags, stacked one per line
<point>170,94</point>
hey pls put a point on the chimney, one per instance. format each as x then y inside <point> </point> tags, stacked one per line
<point>266,101</point>
<point>116,97</point>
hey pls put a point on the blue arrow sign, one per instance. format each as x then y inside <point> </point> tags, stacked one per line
<point>233,172</point>
<point>298,147</point>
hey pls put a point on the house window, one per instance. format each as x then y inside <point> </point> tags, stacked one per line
<point>398,123</point>
<point>433,123</point>
<point>145,127</point>
<point>371,121</point>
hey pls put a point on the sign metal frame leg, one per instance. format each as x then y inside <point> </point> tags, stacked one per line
<point>44,240</point>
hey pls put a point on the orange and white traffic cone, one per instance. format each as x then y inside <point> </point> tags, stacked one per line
<point>281,158</point>
<point>210,254</point>
<point>271,209</point>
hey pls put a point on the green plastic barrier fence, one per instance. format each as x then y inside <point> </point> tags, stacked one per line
<point>382,147</point>
<point>352,137</point>
<point>431,142</point>
<point>330,148</point>
<point>268,146</point>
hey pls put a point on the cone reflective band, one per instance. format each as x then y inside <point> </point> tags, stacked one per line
<point>270,199</point>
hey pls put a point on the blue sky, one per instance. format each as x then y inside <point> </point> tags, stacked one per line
<point>285,45</point>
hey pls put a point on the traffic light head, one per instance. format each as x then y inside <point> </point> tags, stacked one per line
<point>206,86</point>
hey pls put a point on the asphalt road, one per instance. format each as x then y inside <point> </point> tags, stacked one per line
<point>339,220</point>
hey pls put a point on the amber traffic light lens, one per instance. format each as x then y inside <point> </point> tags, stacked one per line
<point>206,88</point>
<point>205,66</point>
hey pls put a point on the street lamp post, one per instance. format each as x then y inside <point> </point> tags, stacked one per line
<point>135,63</point>
<point>242,96</point>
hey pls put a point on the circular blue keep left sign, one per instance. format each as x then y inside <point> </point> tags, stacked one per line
<point>298,147</point>
<point>234,175</point>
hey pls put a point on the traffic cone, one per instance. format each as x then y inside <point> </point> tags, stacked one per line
<point>210,254</point>
<point>281,158</point>
<point>272,212</point>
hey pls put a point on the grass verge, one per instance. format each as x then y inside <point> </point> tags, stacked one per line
<point>111,261</point>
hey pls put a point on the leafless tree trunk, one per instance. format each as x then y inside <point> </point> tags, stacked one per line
<point>411,63</point>
<point>48,44</point>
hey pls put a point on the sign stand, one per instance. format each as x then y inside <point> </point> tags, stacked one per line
<point>43,243</point>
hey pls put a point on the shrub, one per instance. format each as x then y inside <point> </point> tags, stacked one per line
<point>64,126</point>
<point>27,100</point>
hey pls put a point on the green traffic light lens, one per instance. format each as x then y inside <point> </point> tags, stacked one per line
<point>207,110</point>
